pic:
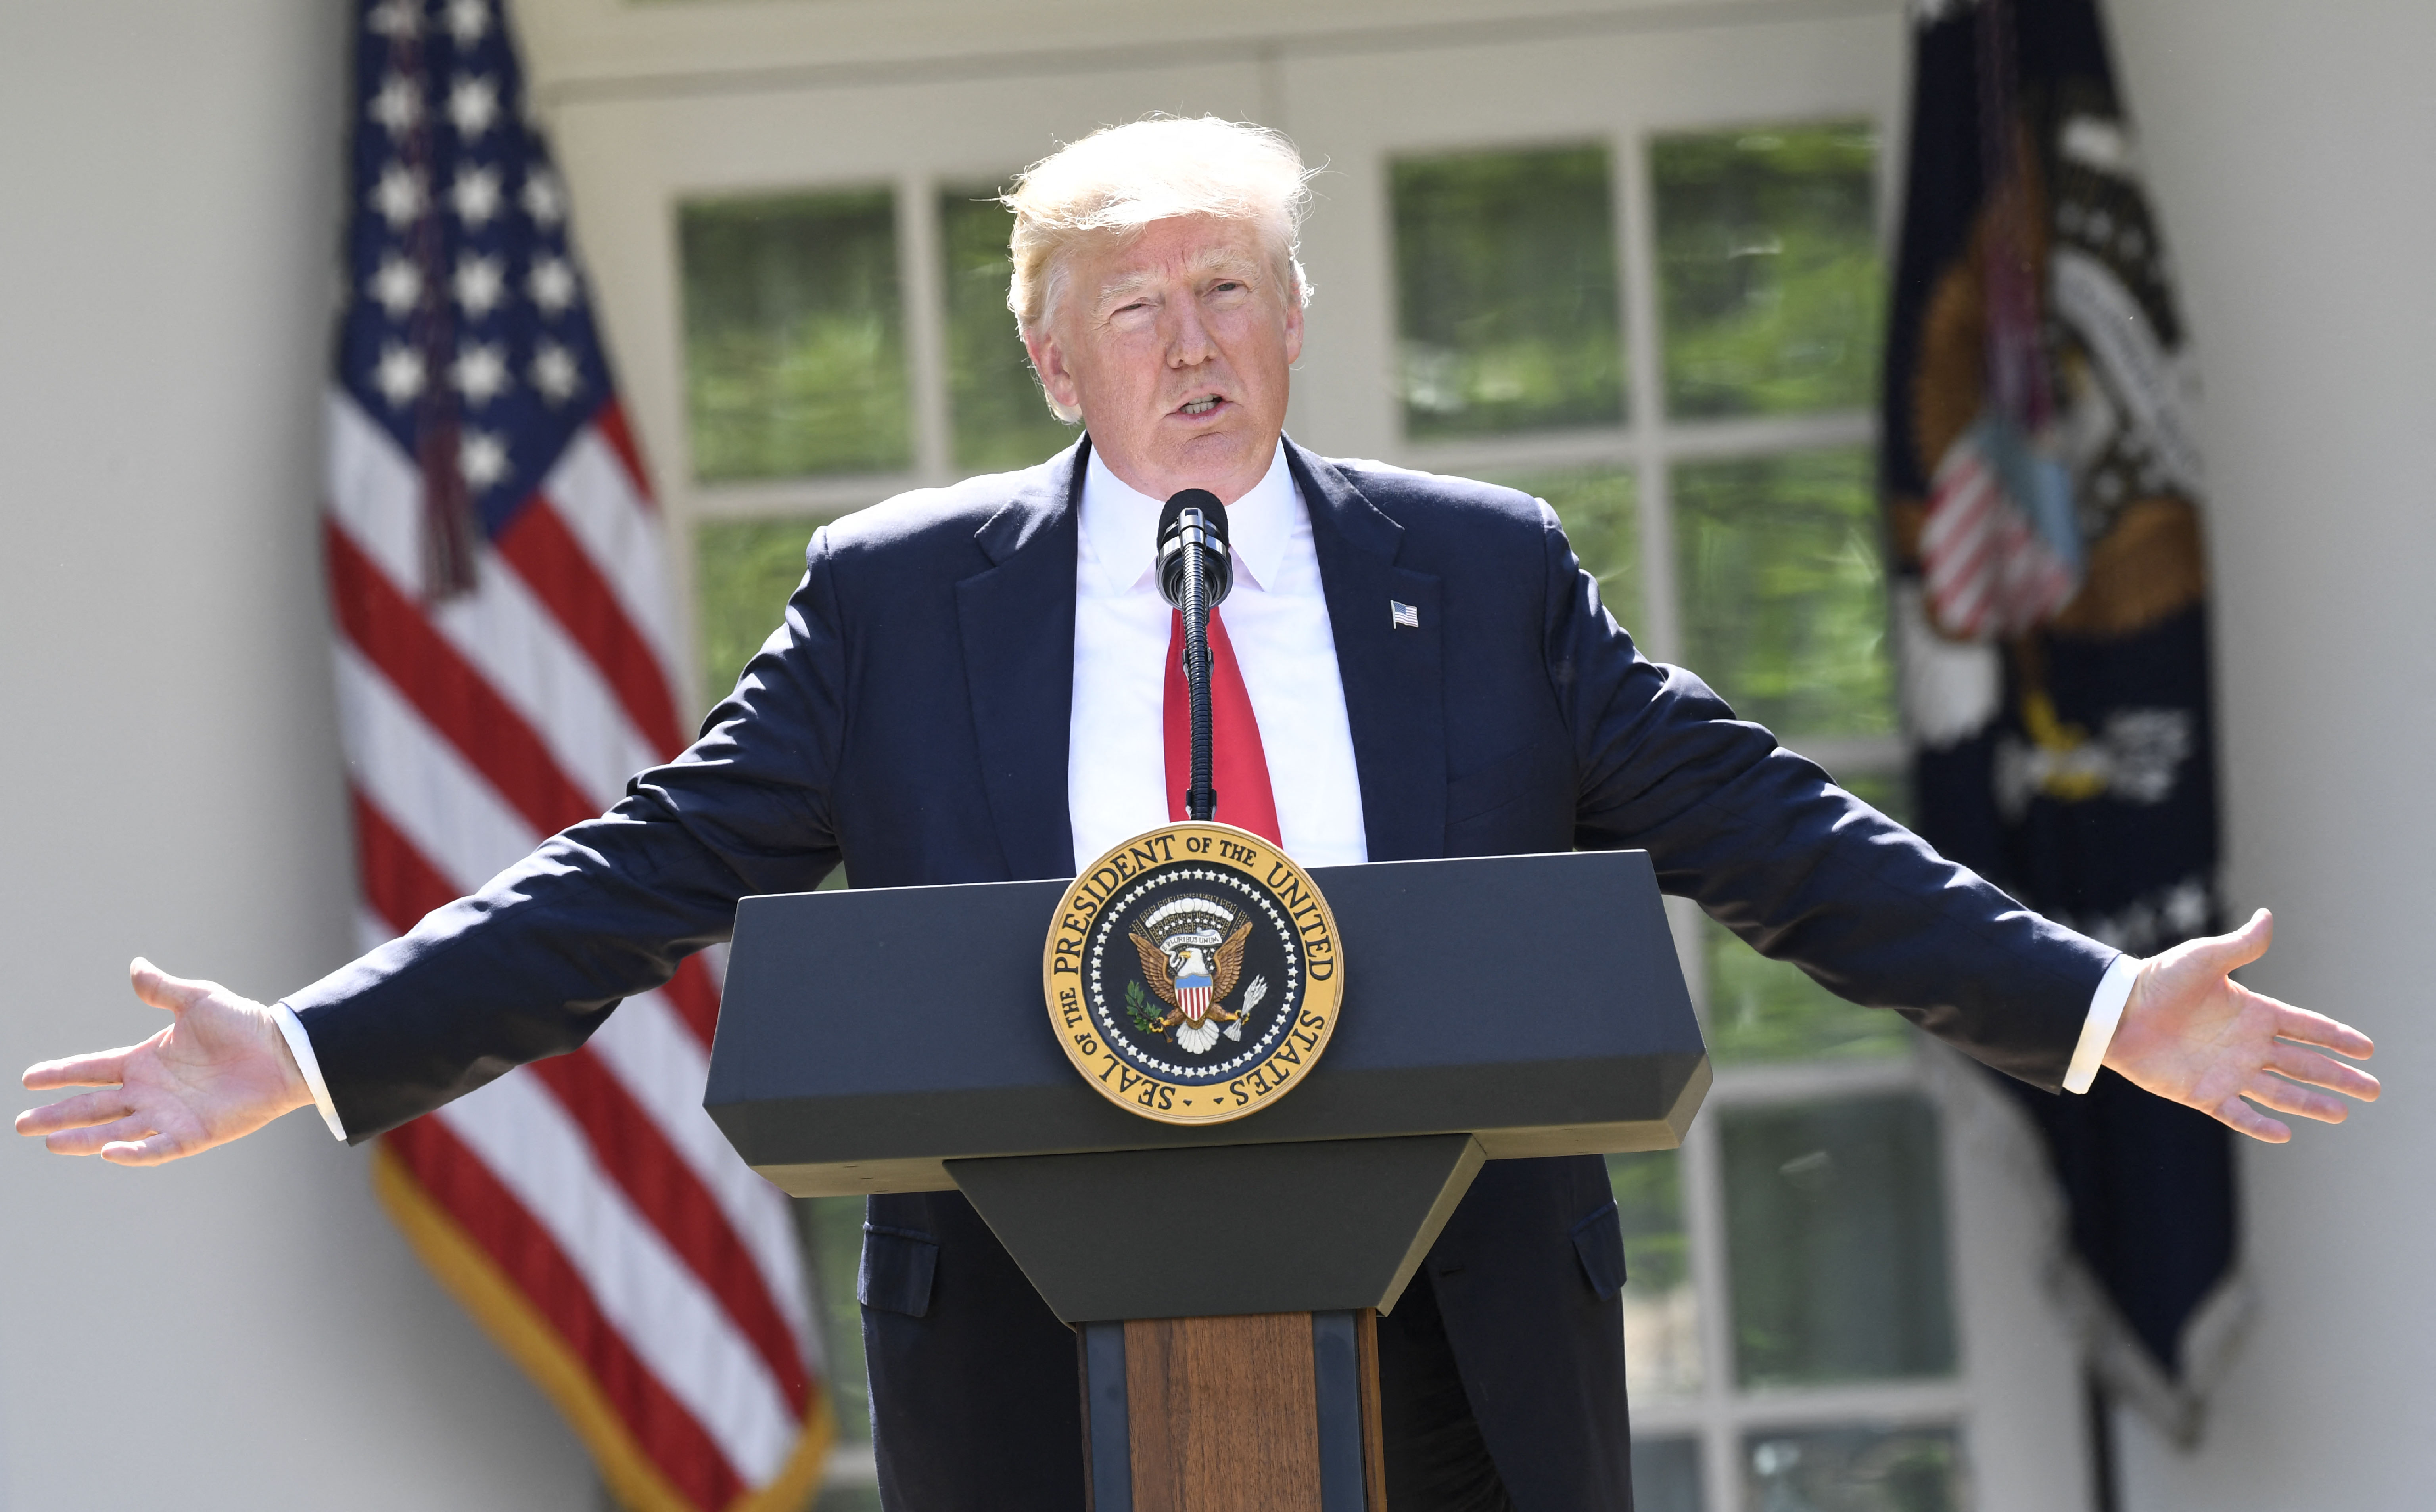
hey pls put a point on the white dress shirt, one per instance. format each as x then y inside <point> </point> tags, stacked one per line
<point>1277,619</point>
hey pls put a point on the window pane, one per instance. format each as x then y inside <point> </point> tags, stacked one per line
<point>1599,508</point>
<point>1836,1242</point>
<point>1784,605</point>
<point>1505,287</point>
<point>832,1230</point>
<point>744,571</point>
<point>1667,1475</point>
<point>1769,273</point>
<point>1662,1319</point>
<point>794,335</point>
<point>1001,419</point>
<point>1764,1010</point>
<point>1855,1469</point>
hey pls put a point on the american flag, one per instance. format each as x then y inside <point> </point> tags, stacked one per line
<point>1988,569</point>
<point>505,660</point>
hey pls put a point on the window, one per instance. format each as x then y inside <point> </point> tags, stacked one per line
<point>995,407</point>
<point>1505,292</point>
<point>1630,264</point>
<point>1768,269</point>
<point>794,335</point>
<point>1792,1260</point>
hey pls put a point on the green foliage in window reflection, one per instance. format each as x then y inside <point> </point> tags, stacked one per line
<point>1001,420</point>
<point>832,1231</point>
<point>1661,1315</point>
<point>1598,505</point>
<point>1505,292</point>
<point>1649,1199</point>
<point>1785,608</point>
<point>1763,1009</point>
<point>1836,1242</point>
<point>744,571</point>
<point>1855,1469</point>
<point>1770,287</point>
<point>794,335</point>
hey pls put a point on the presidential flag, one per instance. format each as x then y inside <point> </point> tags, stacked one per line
<point>505,660</point>
<point>2043,499</point>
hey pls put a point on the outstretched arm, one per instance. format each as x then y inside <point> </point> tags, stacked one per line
<point>525,968</point>
<point>2192,1035</point>
<point>220,1070</point>
<point>1803,871</point>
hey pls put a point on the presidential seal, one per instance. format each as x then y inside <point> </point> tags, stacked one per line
<point>1193,974</point>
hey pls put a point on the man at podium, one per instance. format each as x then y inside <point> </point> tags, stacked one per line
<point>974,683</point>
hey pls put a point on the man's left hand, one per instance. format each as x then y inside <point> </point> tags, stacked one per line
<point>2192,1034</point>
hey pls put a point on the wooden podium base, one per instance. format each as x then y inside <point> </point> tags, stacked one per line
<point>1271,1412</point>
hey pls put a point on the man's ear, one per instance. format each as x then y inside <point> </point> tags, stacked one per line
<point>1049,360</point>
<point>1294,326</point>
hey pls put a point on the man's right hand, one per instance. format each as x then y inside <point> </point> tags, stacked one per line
<point>219,1071</point>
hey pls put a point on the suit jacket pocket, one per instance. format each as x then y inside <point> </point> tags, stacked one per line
<point>897,1268</point>
<point>1598,1243</point>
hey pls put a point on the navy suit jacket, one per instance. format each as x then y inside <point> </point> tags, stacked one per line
<point>911,719</point>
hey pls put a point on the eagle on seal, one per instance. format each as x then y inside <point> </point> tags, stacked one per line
<point>1192,969</point>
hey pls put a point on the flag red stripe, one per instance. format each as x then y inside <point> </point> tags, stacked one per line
<point>399,885</point>
<point>455,697</point>
<point>552,563</point>
<point>460,1184</point>
<point>610,422</point>
<point>672,1199</point>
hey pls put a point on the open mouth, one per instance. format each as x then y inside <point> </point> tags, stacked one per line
<point>1201,405</point>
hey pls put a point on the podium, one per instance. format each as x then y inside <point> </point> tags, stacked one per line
<point>1225,1279</point>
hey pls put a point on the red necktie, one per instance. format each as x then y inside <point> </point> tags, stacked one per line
<point>1239,768</point>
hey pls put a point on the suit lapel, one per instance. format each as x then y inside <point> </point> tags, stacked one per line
<point>1393,681</point>
<point>1018,622</point>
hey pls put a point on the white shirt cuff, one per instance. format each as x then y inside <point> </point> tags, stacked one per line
<point>2098,1029</point>
<point>300,1045</point>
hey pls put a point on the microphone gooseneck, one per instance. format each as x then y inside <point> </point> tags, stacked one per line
<point>1195,574</point>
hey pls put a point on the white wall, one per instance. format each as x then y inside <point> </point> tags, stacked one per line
<point>2293,148</point>
<point>244,1331</point>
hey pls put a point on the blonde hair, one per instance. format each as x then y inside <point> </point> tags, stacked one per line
<point>1122,177</point>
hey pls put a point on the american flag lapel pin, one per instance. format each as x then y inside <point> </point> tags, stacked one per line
<point>1403,616</point>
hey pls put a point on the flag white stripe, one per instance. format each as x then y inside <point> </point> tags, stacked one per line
<point>653,1053</point>
<point>502,629</point>
<point>374,489</point>
<point>439,802</point>
<point>668,1317</point>
<point>620,534</point>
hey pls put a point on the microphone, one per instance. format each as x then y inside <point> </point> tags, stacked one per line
<point>1195,518</point>
<point>1194,573</point>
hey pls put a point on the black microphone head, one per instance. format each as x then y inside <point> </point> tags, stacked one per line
<point>1193,498</point>
<point>1194,513</point>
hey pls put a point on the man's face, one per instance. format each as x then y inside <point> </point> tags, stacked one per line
<point>1176,344</point>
